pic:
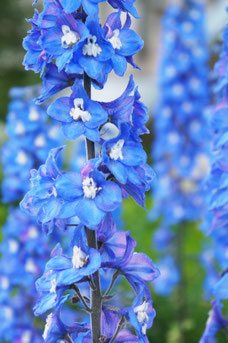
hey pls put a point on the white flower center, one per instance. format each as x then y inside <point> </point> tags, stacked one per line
<point>32,232</point>
<point>90,188</point>
<point>53,286</point>
<point>178,211</point>
<point>26,337</point>
<point>79,258</point>
<point>53,132</point>
<point>116,150</point>
<point>48,325</point>
<point>171,71</point>
<point>178,89</point>
<point>78,113</point>
<point>13,246</point>
<point>52,192</point>
<point>8,312</point>
<point>40,141</point>
<point>202,166</point>
<point>188,186</point>
<point>22,158</point>
<point>20,129</point>
<point>114,40</point>
<point>187,106</point>
<point>4,282</point>
<point>69,37</point>
<point>30,266</point>
<point>33,114</point>
<point>142,316</point>
<point>173,138</point>
<point>91,48</point>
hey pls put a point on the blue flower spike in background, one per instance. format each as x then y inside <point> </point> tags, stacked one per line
<point>181,149</point>
<point>24,249</point>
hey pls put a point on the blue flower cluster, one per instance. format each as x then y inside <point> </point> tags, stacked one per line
<point>30,139</point>
<point>23,250</point>
<point>180,150</point>
<point>70,48</point>
<point>217,219</point>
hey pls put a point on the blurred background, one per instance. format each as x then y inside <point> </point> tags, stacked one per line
<point>13,28</point>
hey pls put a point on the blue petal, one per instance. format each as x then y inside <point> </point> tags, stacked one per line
<point>109,198</point>
<point>73,130</point>
<point>118,170</point>
<point>60,110</point>
<point>71,5</point>
<point>119,64</point>
<point>69,186</point>
<point>89,214</point>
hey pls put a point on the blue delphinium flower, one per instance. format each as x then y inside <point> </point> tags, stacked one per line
<point>181,149</point>
<point>141,315</point>
<point>78,114</point>
<point>124,41</point>
<point>81,53</point>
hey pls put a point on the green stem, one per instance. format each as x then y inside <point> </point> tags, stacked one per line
<point>181,295</point>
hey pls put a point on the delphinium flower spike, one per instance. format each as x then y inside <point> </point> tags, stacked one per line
<point>24,250</point>
<point>71,49</point>
<point>180,150</point>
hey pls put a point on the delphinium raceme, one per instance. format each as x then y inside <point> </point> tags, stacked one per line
<point>180,150</point>
<point>216,224</point>
<point>23,250</point>
<point>70,48</point>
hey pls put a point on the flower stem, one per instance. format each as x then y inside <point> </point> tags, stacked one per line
<point>95,294</point>
<point>181,288</point>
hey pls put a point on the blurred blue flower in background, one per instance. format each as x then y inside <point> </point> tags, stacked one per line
<point>180,150</point>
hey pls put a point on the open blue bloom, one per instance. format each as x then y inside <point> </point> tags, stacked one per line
<point>60,33</point>
<point>36,59</point>
<point>93,54</point>
<point>122,154</point>
<point>124,41</point>
<point>78,114</point>
<point>89,195</point>
<point>55,81</point>
<point>141,315</point>
<point>125,5</point>
<point>137,268</point>
<point>42,200</point>
<point>62,270</point>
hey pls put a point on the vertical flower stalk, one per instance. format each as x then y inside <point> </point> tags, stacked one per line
<point>180,150</point>
<point>71,49</point>
<point>215,224</point>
